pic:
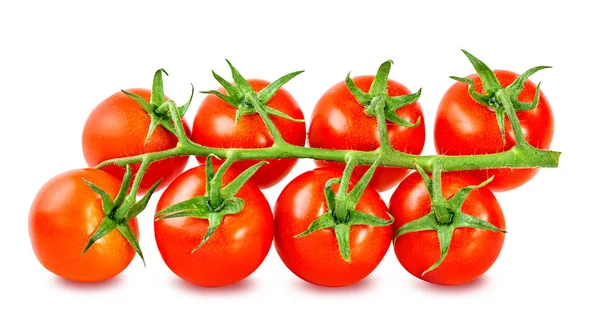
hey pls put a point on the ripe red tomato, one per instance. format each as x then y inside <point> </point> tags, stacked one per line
<point>63,217</point>
<point>472,251</point>
<point>117,127</point>
<point>316,257</point>
<point>339,122</point>
<point>463,127</point>
<point>235,249</point>
<point>214,126</point>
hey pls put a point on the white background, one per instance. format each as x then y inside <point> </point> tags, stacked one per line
<point>60,59</point>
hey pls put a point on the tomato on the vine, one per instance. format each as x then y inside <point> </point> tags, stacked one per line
<point>316,257</point>
<point>235,249</point>
<point>464,126</point>
<point>472,251</point>
<point>63,217</point>
<point>215,126</point>
<point>118,127</point>
<point>339,122</point>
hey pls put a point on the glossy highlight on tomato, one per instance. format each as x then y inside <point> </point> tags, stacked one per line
<point>118,127</point>
<point>63,217</point>
<point>316,257</point>
<point>472,251</point>
<point>237,247</point>
<point>339,122</point>
<point>465,127</point>
<point>215,126</point>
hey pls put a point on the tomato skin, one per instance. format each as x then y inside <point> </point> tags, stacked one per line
<point>339,122</point>
<point>236,248</point>
<point>316,257</point>
<point>64,215</point>
<point>117,127</point>
<point>214,126</point>
<point>463,126</point>
<point>472,251</point>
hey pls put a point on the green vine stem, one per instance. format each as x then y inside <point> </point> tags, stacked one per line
<point>377,104</point>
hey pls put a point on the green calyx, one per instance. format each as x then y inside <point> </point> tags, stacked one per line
<point>377,99</point>
<point>217,201</point>
<point>497,97</point>
<point>342,213</point>
<point>118,212</point>
<point>159,108</point>
<point>445,215</point>
<point>241,95</point>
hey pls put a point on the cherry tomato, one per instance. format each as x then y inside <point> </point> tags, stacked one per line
<point>316,257</point>
<point>63,217</point>
<point>214,126</point>
<point>472,251</point>
<point>463,127</point>
<point>236,248</point>
<point>118,127</point>
<point>339,122</point>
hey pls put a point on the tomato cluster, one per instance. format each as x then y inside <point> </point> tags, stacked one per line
<point>209,249</point>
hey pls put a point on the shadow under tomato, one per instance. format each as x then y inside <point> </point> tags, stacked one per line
<point>470,287</point>
<point>113,282</point>
<point>356,288</point>
<point>245,286</point>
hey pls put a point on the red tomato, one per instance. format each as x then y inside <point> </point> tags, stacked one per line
<point>472,251</point>
<point>316,257</point>
<point>339,122</point>
<point>214,126</point>
<point>464,127</point>
<point>235,249</point>
<point>117,127</point>
<point>63,217</point>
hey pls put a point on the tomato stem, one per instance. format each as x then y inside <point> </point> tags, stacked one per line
<point>378,104</point>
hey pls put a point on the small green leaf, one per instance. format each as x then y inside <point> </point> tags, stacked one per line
<point>500,120</point>
<point>425,223</point>
<point>197,204</point>
<point>342,234</point>
<point>362,97</point>
<point>269,91</point>
<point>124,187</point>
<point>234,186</point>
<point>325,221</point>
<point>157,97</point>
<point>393,103</point>
<point>214,221</point>
<point>231,90</point>
<point>240,82</point>
<point>455,203</point>
<point>380,81</point>
<point>489,80</point>
<point>106,226</point>
<point>361,218</point>
<point>149,108</point>
<point>183,109</point>
<point>515,88</point>
<point>138,207</point>
<point>107,204</point>
<point>126,231</point>
<point>463,220</point>
<point>395,118</point>
<point>330,194</point>
<point>228,99</point>
<point>154,122</point>
<point>444,233</point>
<point>481,98</point>
<point>518,105</point>
<point>275,112</point>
